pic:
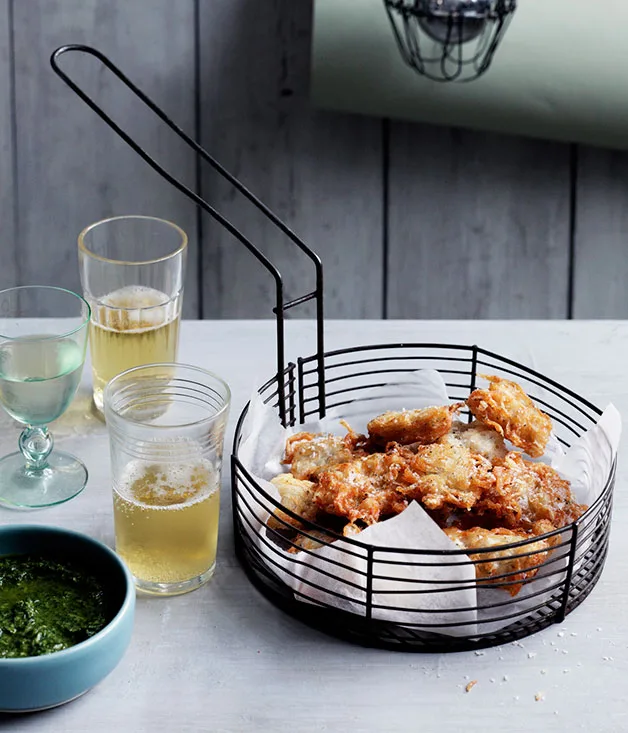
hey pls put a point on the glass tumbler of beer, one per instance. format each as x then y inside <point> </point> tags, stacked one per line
<point>132,273</point>
<point>166,426</point>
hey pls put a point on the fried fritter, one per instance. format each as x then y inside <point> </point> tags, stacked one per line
<point>478,438</point>
<point>365,488</point>
<point>483,495</point>
<point>297,496</point>
<point>314,541</point>
<point>308,453</point>
<point>351,530</point>
<point>518,566</point>
<point>450,476</point>
<point>319,538</point>
<point>413,426</point>
<point>382,484</point>
<point>525,493</point>
<point>505,407</point>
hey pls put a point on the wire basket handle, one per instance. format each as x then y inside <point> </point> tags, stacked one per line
<point>281,306</point>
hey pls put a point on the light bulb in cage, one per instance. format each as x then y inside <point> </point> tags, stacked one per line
<point>449,40</point>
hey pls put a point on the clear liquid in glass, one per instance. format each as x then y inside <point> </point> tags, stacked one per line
<point>166,520</point>
<point>131,326</point>
<point>39,376</point>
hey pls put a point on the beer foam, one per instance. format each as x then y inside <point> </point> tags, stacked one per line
<point>167,485</point>
<point>134,308</point>
<point>135,296</point>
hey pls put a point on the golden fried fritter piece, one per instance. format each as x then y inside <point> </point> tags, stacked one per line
<point>297,496</point>
<point>511,562</point>
<point>505,407</point>
<point>525,493</point>
<point>449,476</point>
<point>316,540</point>
<point>553,500</point>
<point>308,453</point>
<point>478,438</point>
<point>365,488</point>
<point>319,538</point>
<point>382,484</point>
<point>351,530</point>
<point>413,426</point>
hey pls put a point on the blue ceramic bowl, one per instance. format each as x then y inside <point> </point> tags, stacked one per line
<point>36,683</point>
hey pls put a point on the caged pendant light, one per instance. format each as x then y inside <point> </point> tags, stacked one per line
<point>449,40</point>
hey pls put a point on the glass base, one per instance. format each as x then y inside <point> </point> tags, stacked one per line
<point>24,488</point>
<point>173,589</point>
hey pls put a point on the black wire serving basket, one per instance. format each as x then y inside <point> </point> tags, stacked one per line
<point>408,599</point>
<point>348,593</point>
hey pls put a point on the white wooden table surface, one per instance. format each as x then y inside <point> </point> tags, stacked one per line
<point>224,659</point>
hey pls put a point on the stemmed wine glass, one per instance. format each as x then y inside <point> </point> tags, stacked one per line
<point>40,369</point>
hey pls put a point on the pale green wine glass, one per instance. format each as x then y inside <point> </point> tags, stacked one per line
<point>41,361</point>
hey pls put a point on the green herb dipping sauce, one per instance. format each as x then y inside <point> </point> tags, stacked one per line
<point>46,606</point>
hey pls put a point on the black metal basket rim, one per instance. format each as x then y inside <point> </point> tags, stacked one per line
<point>471,585</point>
<point>582,543</point>
<point>344,377</point>
<point>374,360</point>
<point>347,390</point>
<point>589,569</point>
<point>444,586</point>
<point>334,536</point>
<point>368,631</point>
<point>457,347</point>
<point>578,559</point>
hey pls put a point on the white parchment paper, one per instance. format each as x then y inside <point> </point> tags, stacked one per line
<point>336,574</point>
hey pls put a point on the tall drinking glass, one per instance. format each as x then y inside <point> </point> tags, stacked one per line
<point>166,428</point>
<point>40,369</point>
<point>132,273</point>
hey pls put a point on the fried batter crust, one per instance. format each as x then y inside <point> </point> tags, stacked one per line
<point>440,476</point>
<point>413,426</point>
<point>478,438</point>
<point>297,496</point>
<point>505,407</point>
<point>365,488</point>
<point>516,564</point>
<point>525,493</point>
<point>308,453</point>
<point>481,494</point>
<point>314,541</point>
<point>319,538</point>
<point>450,476</point>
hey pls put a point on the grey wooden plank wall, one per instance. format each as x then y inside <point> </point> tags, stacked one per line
<point>8,271</point>
<point>411,221</point>
<point>601,235</point>
<point>320,172</point>
<point>70,169</point>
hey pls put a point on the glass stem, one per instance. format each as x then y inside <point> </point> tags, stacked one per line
<point>36,444</point>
